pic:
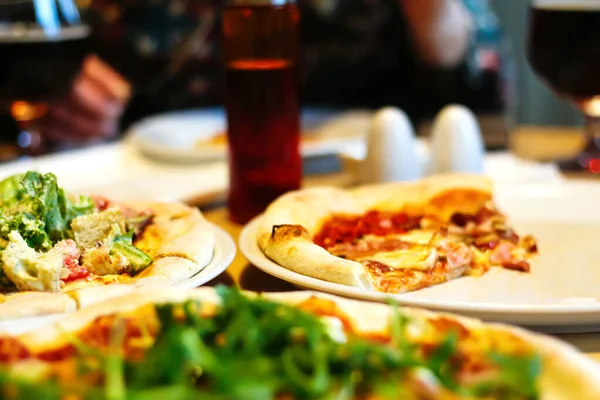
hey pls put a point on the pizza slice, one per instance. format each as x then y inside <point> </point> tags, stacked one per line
<point>223,344</point>
<point>395,238</point>
<point>59,252</point>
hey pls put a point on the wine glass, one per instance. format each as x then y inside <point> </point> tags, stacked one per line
<point>564,50</point>
<point>43,44</point>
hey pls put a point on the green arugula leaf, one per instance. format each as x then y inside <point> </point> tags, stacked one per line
<point>177,350</point>
<point>71,209</point>
<point>11,190</point>
<point>50,201</point>
<point>27,223</point>
<point>439,363</point>
<point>114,364</point>
<point>38,209</point>
<point>175,392</point>
<point>398,325</point>
<point>516,378</point>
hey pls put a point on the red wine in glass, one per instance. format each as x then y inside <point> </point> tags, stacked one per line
<point>564,51</point>
<point>38,67</point>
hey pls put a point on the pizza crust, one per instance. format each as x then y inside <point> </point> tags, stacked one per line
<point>86,296</point>
<point>566,373</point>
<point>53,336</point>
<point>444,195</point>
<point>196,245</point>
<point>179,240</point>
<point>291,246</point>
<point>34,304</point>
<point>173,269</point>
<point>304,211</point>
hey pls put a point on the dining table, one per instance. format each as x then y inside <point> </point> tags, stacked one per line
<point>526,142</point>
<point>118,169</point>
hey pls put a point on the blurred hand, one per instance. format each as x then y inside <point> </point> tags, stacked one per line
<point>92,109</point>
<point>442,30</point>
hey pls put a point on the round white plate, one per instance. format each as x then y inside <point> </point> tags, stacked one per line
<point>179,136</point>
<point>223,255</point>
<point>559,297</point>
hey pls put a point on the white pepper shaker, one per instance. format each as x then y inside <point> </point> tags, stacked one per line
<point>391,154</point>
<point>455,143</point>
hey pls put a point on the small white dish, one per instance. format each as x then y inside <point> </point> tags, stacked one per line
<point>187,136</point>
<point>542,299</point>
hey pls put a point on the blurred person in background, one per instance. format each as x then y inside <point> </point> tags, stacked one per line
<point>485,81</point>
<point>154,56</point>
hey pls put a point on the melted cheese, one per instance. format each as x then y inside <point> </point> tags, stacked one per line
<point>480,263</point>
<point>417,236</point>
<point>419,258</point>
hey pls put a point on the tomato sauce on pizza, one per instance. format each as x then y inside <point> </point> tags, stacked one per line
<point>347,229</point>
<point>400,247</point>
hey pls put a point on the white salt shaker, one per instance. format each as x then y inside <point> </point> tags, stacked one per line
<point>455,143</point>
<point>391,154</point>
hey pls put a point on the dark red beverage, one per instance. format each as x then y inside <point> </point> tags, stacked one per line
<point>564,47</point>
<point>262,104</point>
<point>263,126</point>
<point>40,69</point>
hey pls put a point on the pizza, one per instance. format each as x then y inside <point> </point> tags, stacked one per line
<point>60,252</point>
<point>223,344</point>
<point>394,237</point>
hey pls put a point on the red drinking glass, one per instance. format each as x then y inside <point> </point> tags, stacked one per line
<point>262,103</point>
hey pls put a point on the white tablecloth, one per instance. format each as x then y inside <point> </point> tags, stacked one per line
<point>119,171</point>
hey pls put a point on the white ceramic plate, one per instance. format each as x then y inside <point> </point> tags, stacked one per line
<point>557,297</point>
<point>180,136</point>
<point>224,253</point>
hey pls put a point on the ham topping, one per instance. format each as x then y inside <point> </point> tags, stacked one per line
<point>503,255</point>
<point>458,255</point>
<point>70,253</point>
